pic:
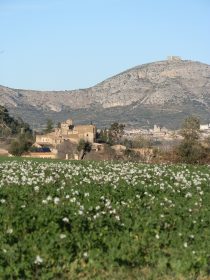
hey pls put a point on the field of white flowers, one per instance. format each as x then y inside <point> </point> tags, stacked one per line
<point>60,220</point>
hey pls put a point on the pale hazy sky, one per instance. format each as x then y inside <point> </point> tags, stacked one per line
<point>66,44</point>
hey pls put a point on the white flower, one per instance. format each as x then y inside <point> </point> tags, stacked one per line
<point>85,255</point>
<point>188,195</point>
<point>10,231</point>
<point>185,244</point>
<point>117,218</point>
<point>157,236</point>
<point>2,200</point>
<point>38,260</point>
<point>56,200</point>
<point>65,220</point>
<point>62,236</point>
<point>36,188</point>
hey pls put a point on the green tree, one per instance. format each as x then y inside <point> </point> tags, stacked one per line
<point>103,136</point>
<point>49,126</point>
<point>21,144</point>
<point>141,141</point>
<point>191,128</point>
<point>84,145</point>
<point>116,132</point>
<point>190,149</point>
<point>191,152</point>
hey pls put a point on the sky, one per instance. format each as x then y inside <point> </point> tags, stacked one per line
<point>72,44</point>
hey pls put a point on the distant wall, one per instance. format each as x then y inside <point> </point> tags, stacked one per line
<point>42,155</point>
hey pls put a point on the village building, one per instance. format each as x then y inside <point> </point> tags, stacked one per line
<point>67,131</point>
<point>204,127</point>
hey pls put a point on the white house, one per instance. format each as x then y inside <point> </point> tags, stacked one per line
<point>205,126</point>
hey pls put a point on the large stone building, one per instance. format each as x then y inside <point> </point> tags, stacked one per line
<point>67,131</point>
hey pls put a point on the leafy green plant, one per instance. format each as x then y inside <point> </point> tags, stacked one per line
<point>90,220</point>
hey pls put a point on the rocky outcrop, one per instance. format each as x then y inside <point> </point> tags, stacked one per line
<point>168,89</point>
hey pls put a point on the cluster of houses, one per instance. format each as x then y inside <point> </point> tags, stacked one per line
<point>162,133</point>
<point>158,132</point>
<point>67,131</point>
<point>46,145</point>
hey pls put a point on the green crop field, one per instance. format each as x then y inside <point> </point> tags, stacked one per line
<point>105,220</point>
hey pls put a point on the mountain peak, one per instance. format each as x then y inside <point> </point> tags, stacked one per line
<point>163,91</point>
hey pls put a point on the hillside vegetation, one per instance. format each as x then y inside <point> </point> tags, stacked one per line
<point>9,125</point>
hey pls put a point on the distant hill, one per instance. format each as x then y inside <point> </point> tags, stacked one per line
<point>163,93</point>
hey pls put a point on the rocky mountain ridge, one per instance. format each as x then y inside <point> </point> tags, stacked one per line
<point>163,92</point>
